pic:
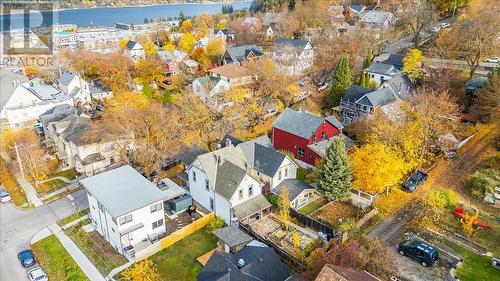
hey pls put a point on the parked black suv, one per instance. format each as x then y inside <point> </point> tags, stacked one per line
<point>423,253</point>
<point>415,181</point>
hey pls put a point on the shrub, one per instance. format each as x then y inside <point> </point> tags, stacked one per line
<point>273,199</point>
<point>217,223</point>
<point>482,181</point>
<point>443,199</point>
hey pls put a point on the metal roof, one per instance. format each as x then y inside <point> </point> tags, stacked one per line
<point>122,190</point>
<point>301,123</point>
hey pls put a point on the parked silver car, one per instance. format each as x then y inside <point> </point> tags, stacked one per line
<point>4,196</point>
<point>37,274</point>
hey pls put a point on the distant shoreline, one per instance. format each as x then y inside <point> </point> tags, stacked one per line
<point>130,6</point>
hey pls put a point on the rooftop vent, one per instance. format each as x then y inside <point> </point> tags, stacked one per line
<point>241,263</point>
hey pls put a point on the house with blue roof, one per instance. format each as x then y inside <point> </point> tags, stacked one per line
<point>360,103</point>
<point>240,54</point>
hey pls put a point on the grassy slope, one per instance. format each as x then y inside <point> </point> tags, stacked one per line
<point>56,261</point>
<point>475,267</point>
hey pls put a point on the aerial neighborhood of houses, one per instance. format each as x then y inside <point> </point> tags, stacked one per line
<point>296,140</point>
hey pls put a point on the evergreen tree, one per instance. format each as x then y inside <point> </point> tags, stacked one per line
<point>181,17</point>
<point>291,5</point>
<point>368,58</point>
<point>362,79</point>
<point>341,81</point>
<point>335,176</point>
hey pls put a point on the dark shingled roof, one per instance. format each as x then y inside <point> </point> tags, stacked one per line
<point>294,186</point>
<point>301,123</point>
<point>228,178</point>
<point>260,263</point>
<point>378,97</point>
<point>381,68</point>
<point>240,53</point>
<point>234,141</point>
<point>232,236</point>
<point>57,113</point>
<point>396,60</point>
<point>355,92</point>
<point>188,155</point>
<point>296,43</point>
<point>267,160</point>
<point>130,44</point>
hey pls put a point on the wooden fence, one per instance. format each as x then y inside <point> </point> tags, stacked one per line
<point>174,237</point>
<point>315,224</point>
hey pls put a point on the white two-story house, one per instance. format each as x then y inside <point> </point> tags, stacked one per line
<point>76,87</point>
<point>81,144</point>
<point>219,182</point>
<point>125,208</point>
<point>135,50</point>
<point>292,56</point>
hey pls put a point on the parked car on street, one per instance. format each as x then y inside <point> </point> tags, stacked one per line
<point>37,274</point>
<point>4,196</point>
<point>26,258</point>
<point>493,60</point>
<point>436,28</point>
<point>445,25</point>
<point>423,253</point>
<point>413,182</point>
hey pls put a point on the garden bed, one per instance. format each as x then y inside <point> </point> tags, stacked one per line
<point>56,261</point>
<point>334,211</point>
<point>98,251</point>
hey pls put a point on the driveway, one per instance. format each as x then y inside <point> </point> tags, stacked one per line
<point>18,226</point>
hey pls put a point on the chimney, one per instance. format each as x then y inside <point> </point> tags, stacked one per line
<point>228,142</point>
<point>241,263</point>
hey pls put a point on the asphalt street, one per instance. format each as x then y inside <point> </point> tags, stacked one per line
<point>17,227</point>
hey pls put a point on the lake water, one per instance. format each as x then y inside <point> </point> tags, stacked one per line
<point>110,16</point>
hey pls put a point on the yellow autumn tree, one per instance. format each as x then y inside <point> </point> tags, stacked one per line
<point>149,48</point>
<point>412,64</point>
<point>187,26</point>
<point>142,271</point>
<point>215,49</point>
<point>149,70</point>
<point>375,167</point>
<point>468,221</point>
<point>186,43</point>
<point>169,47</point>
<point>220,25</point>
<point>284,206</point>
<point>123,43</point>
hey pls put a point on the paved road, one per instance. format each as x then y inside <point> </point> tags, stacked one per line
<point>18,226</point>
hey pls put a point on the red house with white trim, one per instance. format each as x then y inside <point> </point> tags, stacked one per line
<point>305,135</point>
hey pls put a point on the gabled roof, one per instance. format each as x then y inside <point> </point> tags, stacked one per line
<point>259,263</point>
<point>208,161</point>
<point>379,97</point>
<point>57,113</point>
<point>355,92</point>
<point>331,272</point>
<point>228,178</point>
<point>187,156</point>
<point>131,45</point>
<point>321,147</point>
<point>231,70</point>
<point>301,123</point>
<point>240,53</point>
<point>76,125</point>
<point>228,140</point>
<point>66,78</point>
<point>297,44</point>
<point>395,59</point>
<point>265,159</point>
<point>122,190</point>
<point>381,68</point>
<point>378,17</point>
<point>401,86</point>
<point>9,81</point>
<point>294,186</point>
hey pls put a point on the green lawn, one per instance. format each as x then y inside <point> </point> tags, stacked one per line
<point>73,217</point>
<point>178,262</point>
<point>56,261</point>
<point>98,251</point>
<point>69,174</point>
<point>475,267</point>
<point>50,186</point>
<point>313,206</point>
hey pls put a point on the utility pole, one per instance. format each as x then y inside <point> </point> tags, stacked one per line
<point>19,159</point>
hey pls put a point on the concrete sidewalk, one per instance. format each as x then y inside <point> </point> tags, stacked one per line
<point>30,192</point>
<point>87,267</point>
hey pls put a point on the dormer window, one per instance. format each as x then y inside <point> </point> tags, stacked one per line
<point>323,135</point>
